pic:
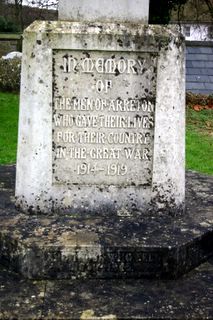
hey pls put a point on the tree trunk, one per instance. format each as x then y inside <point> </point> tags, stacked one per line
<point>18,13</point>
<point>209,4</point>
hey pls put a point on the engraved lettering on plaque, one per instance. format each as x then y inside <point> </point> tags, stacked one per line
<point>103,117</point>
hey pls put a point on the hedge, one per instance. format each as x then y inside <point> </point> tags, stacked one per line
<point>10,74</point>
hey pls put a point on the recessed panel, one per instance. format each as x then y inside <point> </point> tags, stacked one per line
<point>103,117</point>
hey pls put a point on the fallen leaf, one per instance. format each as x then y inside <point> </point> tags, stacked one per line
<point>210,106</point>
<point>197,107</point>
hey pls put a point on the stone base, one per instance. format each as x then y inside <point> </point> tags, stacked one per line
<point>189,297</point>
<point>154,246</point>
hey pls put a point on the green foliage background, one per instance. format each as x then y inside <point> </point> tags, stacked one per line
<point>9,127</point>
<point>160,10</point>
<point>8,25</point>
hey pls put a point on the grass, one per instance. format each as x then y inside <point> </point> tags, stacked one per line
<point>199,140</point>
<point>199,135</point>
<point>8,127</point>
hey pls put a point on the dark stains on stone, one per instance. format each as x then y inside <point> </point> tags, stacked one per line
<point>117,72</point>
<point>38,42</point>
<point>120,42</point>
<point>135,69</point>
<point>86,53</point>
<point>187,298</point>
<point>53,146</point>
<point>66,56</point>
<point>48,31</point>
<point>152,245</point>
<point>95,26</point>
<point>31,209</point>
<point>164,203</point>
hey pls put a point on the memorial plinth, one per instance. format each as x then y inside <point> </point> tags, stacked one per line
<point>65,247</point>
<point>100,179</point>
<point>101,120</point>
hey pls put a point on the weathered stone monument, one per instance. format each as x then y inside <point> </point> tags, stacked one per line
<point>102,113</point>
<point>100,179</point>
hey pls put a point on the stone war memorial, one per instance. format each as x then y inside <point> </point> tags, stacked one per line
<point>100,175</point>
<point>102,115</point>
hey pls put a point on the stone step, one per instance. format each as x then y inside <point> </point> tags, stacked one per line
<point>77,246</point>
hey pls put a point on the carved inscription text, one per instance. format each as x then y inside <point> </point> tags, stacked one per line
<point>103,117</point>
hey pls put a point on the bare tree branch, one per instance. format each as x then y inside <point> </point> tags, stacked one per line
<point>209,4</point>
<point>44,4</point>
<point>18,13</point>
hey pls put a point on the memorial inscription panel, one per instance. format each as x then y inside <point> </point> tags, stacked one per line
<point>103,117</point>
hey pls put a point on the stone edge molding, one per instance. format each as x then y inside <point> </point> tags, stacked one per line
<point>34,189</point>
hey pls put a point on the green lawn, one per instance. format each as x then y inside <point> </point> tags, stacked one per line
<point>199,140</point>
<point>199,135</point>
<point>9,127</point>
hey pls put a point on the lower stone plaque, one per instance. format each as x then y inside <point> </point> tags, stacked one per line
<point>103,117</point>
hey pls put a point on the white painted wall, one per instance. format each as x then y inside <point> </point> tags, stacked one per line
<point>196,32</point>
